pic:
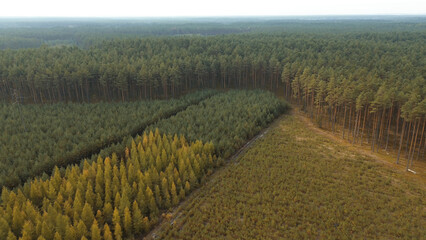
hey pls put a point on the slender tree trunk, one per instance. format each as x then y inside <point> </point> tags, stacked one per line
<point>363,124</point>
<point>412,143</point>
<point>389,125</point>
<point>382,120</point>
<point>350,114</point>
<point>400,142</point>
<point>344,123</point>
<point>421,138</point>
<point>355,127</point>
<point>415,144</point>
<point>373,133</point>
<point>396,127</point>
<point>408,140</point>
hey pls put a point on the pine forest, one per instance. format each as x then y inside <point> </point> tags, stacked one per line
<point>213,128</point>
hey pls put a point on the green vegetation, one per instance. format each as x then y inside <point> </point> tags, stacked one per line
<point>228,120</point>
<point>35,138</point>
<point>296,184</point>
<point>364,80</point>
<point>124,198</point>
<point>109,197</point>
<point>371,84</point>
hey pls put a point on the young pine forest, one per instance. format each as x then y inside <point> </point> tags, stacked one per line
<point>210,128</point>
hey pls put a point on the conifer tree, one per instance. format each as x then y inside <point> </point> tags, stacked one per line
<point>81,229</point>
<point>57,236</point>
<point>28,231</point>
<point>4,228</point>
<point>107,233</point>
<point>146,224</point>
<point>70,233</point>
<point>118,232</point>
<point>116,217</point>
<point>175,198</point>
<point>87,215</point>
<point>108,212</point>
<point>96,233</point>
<point>127,222</point>
<point>11,236</point>
<point>137,219</point>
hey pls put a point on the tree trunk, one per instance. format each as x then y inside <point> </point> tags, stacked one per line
<point>412,143</point>
<point>373,132</point>
<point>344,123</point>
<point>389,125</point>
<point>350,114</point>
<point>355,127</point>
<point>415,144</point>
<point>396,129</point>
<point>400,142</point>
<point>363,124</point>
<point>408,140</point>
<point>380,135</point>
<point>421,138</point>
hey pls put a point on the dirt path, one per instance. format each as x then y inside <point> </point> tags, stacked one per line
<point>383,157</point>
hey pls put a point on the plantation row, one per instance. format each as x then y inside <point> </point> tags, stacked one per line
<point>296,184</point>
<point>118,198</point>
<point>35,138</point>
<point>228,120</point>
<point>110,198</point>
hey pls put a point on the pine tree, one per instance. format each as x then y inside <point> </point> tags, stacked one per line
<point>28,231</point>
<point>47,230</point>
<point>57,236</point>
<point>81,230</point>
<point>175,198</point>
<point>146,224</point>
<point>137,219</point>
<point>70,233</point>
<point>152,206</point>
<point>18,220</point>
<point>127,222</point>
<point>87,215</point>
<point>108,212</point>
<point>116,217</point>
<point>118,232</point>
<point>11,236</point>
<point>187,187</point>
<point>107,233</point>
<point>99,217</point>
<point>96,233</point>
<point>4,228</point>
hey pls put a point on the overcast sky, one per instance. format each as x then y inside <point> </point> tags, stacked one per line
<point>171,8</point>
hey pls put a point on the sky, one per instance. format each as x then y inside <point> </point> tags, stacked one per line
<point>197,8</point>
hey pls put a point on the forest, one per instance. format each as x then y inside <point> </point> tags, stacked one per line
<point>36,138</point>
<point>122,195</point>
<point>107,126</point>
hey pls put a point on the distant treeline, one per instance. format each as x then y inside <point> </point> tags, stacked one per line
<point>30,33</point>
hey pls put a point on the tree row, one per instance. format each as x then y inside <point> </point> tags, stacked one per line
<point>110,198</point>
<point>35,138</point>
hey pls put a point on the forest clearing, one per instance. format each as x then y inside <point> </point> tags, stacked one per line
<point>294,183</point>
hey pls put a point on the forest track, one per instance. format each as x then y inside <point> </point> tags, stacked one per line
<point>385,158</point>
<point>212,179</point>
